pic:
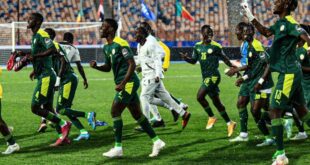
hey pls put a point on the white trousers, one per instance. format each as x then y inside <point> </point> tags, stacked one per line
<point>147,97</point>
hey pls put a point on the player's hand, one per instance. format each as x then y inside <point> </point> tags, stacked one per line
<point>245,10</point>
<point>232,71</point>
<point>184,55</point>
<point>93,64</point>
<point>120,87</point>
<point>31,76</point>
<point>157,79</point>
<point>85,84</point>
<point>257,87</point>
<point>29,58</point>
<point>239,82</point>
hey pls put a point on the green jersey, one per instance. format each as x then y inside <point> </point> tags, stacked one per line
<point>116,55</point>
<point>282,53</point>
<point>55,58</point>
<point>41,42</point>
<point>256,62</point>
<point>302,55</point>
<point>208,57</point>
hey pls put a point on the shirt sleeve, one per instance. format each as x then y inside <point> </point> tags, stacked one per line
<point>295,30</point>
<point>126,52</point>
<point>76,56</point>
<point>46,42</point>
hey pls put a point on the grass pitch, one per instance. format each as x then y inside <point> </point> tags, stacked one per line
<point>194,145</point>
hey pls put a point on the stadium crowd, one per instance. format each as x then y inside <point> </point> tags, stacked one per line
<point>169,27</point>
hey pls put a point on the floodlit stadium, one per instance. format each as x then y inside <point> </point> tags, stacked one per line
<point>154,82</point>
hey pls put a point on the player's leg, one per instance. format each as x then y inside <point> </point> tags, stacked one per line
<point>135,111</point>
<point>201,98</point>
<point>158,121</point>
<point>164,95</point>
<point>259,102</point>
<point>183,105</point>
<point>221,108</point>
<point>301,135</point>
<point>8,137</point>
<point>66,95</point>
<point>243,101</point>
<point>43,94</point>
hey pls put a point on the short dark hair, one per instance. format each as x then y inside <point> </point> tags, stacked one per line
<point>148,27</point>
<point>68,36</point>
<point>112,23</point>
<point>38,17</point>
<point>207,27</point>
<point>51,32</point>
<point>305,27</point>
<point>246,27</point>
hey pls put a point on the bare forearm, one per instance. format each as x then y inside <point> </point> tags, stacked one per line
<point>190,60</point>
<point>62,67</point>
<point>103,68</point>
<point>81,71</point>
<point>266,71</point>
<point>130,71</point>
<point>262,29</point>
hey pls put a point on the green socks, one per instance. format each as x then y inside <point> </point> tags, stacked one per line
<point>225,116</point>
<point>118,126</point>
<point>277,130</point>
<point>55,119</point>
<point>243,114</point>
<point>209,111</point>
<point>145,125</point>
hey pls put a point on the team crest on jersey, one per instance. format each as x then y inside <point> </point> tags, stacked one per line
<point>210,51</point>
<point>302,57</point>
<point>124,52</point>
<point>113,51</point>
<point>282,28</point>
<point>250,54</point>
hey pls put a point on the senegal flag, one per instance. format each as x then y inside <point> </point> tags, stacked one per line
<point>180,10</point>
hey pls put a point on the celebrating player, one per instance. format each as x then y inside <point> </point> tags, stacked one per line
<point>151,65</point>
<point>42,49</point>
<point>208,53</point>
<point>119,58</point>
<point>288,90</point>
<point>252,87</point>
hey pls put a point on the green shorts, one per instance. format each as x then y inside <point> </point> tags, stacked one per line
<point>129,94</point>
<point>44,90</point>
<point>67,90</point>
<point>287,91</point>
<point>306,90</point>
<point>245,89</point>
<point>210,84</point>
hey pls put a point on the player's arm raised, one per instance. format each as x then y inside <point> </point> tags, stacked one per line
<point>260,28</point>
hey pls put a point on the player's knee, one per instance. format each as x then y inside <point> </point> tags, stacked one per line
<point>241,103</point>
<point>200,98</point>
<point>35,109</point>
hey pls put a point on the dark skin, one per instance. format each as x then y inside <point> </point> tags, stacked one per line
<point>202,92</point>
<point>108,33</point>
<point>281,8</point>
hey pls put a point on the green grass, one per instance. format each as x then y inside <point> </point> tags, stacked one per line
<point>194,145</point>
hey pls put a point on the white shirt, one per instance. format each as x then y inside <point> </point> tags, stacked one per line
<point>149,57</point>
<point>72,52</point>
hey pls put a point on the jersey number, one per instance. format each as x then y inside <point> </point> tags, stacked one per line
<point>203,56</point>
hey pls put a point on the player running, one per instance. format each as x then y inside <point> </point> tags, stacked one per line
<point>66,83</point>
<point>150,61</point>
<point>288,90</point>
<point>119,58</point>
<point>208,53</point>
<point>42,49</point>
<point>252,87</point>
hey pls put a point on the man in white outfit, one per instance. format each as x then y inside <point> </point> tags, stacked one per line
<point>149,57</point>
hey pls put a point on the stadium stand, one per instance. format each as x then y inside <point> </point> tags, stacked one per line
<point>172,29</point>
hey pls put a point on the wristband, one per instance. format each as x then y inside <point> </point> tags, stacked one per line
<point>245,77</point>
<point>261,81</point>
<point>57,81</point>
